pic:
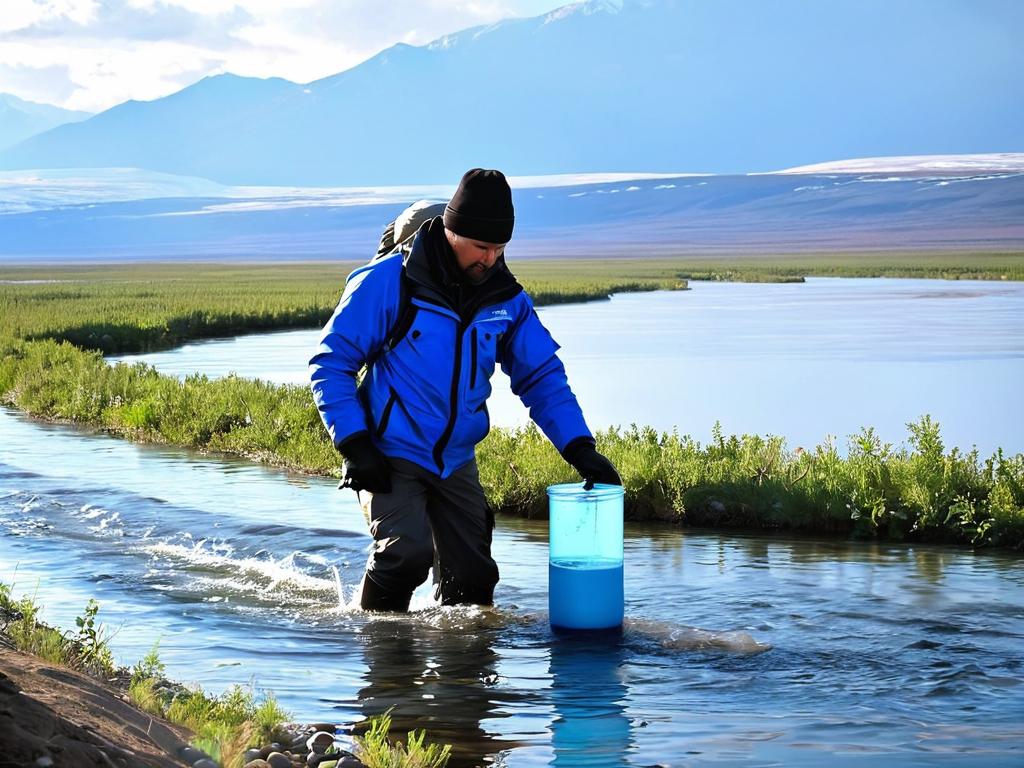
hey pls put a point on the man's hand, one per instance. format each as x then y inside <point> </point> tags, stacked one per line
<point>593,467</point>
<point>366,468</point>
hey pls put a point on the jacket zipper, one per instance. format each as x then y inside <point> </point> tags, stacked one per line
<point>472,361</point>
<point>387,412</point>
<point>442,443</point>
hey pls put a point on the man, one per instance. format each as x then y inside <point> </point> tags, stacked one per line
<point>430,325</point>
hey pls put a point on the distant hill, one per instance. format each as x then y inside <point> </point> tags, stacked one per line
<point>723,86</point>
<point>21,119</point>
<point>139,215</point>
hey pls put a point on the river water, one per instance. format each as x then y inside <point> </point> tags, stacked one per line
<point>803,361</point>
<point>741,650</point>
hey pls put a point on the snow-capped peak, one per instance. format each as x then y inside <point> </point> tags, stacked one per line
<point>586,8</point>
<point>993,161</point>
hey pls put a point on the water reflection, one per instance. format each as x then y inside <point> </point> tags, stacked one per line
<point>588,692</point>
<point>440,679</point>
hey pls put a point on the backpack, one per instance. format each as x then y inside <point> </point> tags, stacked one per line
<point>398,236</point>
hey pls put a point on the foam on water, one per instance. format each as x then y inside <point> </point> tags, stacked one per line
<point>678,637</point>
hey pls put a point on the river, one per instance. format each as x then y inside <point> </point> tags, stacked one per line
<point>740,650</point>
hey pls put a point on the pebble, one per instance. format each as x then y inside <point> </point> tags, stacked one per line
<point>44,762</point>
<point>319,742</point>
<point>344,760</point>
<point>265,751</point>
<point>257,764</point>
<point>278,760</point>
<point>250,755</point>
<point>205,762</point>
<point>190,754</point>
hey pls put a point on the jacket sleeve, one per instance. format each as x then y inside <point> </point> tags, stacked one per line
<point>354,334</point>
<point>529,356</point>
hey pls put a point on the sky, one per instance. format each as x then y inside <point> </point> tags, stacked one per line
<point>93,54</point>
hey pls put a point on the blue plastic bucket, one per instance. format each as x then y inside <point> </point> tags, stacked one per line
<point>585,572</point>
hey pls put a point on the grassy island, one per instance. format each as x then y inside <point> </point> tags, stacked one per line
<point>53,335</point>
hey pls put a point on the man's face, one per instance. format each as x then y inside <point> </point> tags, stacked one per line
<point>475,257</point>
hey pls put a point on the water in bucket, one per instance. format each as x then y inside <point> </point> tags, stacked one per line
<point>585,562</point>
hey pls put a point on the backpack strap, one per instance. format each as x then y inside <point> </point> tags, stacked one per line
<point>398,236</point>
<point>403,321</point>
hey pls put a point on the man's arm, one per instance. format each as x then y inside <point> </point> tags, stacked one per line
<point>355,332</point>
<point>530,358</point>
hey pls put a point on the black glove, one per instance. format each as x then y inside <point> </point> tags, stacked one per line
<point>366,468</point>
<point>593,467</point>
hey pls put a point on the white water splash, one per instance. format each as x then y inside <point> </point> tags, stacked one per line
<point>337,583</point>
<point>263,576</point>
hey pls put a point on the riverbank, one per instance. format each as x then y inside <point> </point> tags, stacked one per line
<point>54,716</point>
<point>139,307</point>
<point>63,702</point>
<point>146,307</point>
<point>923,493</point>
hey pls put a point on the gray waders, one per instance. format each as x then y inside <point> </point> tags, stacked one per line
<point>426,521</point>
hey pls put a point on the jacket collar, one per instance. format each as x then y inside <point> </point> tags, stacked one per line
<point>431,269</point>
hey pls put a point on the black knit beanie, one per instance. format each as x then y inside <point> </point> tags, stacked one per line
<point>481,208</point>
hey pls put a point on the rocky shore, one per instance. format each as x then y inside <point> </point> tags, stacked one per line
<point>52,717</point>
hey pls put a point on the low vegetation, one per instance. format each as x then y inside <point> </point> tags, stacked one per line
<point>919,492</point>
<point>941,265</point>
<point>87,650</point>
<point>141,307</point>
<point>376,749</point>
<point>137,308</point>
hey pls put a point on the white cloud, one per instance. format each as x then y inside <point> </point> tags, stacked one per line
<point>20,14</point>
<point>108,51</point>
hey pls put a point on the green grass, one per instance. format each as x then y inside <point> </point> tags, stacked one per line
<point>141,307</point>
<point>135,308</point>
<point>919,492</point>
<point>227,725</point>
<point>376,750</point>
<point>88,650</point>
<point>943,265</point>
<point>224,726</point>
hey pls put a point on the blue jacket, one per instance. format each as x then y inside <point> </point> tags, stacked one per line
<point>424,393</point>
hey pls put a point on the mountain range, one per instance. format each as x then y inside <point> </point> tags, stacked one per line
<point>722,86</point>
<point>21,119</point>
<point>973,203</point>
